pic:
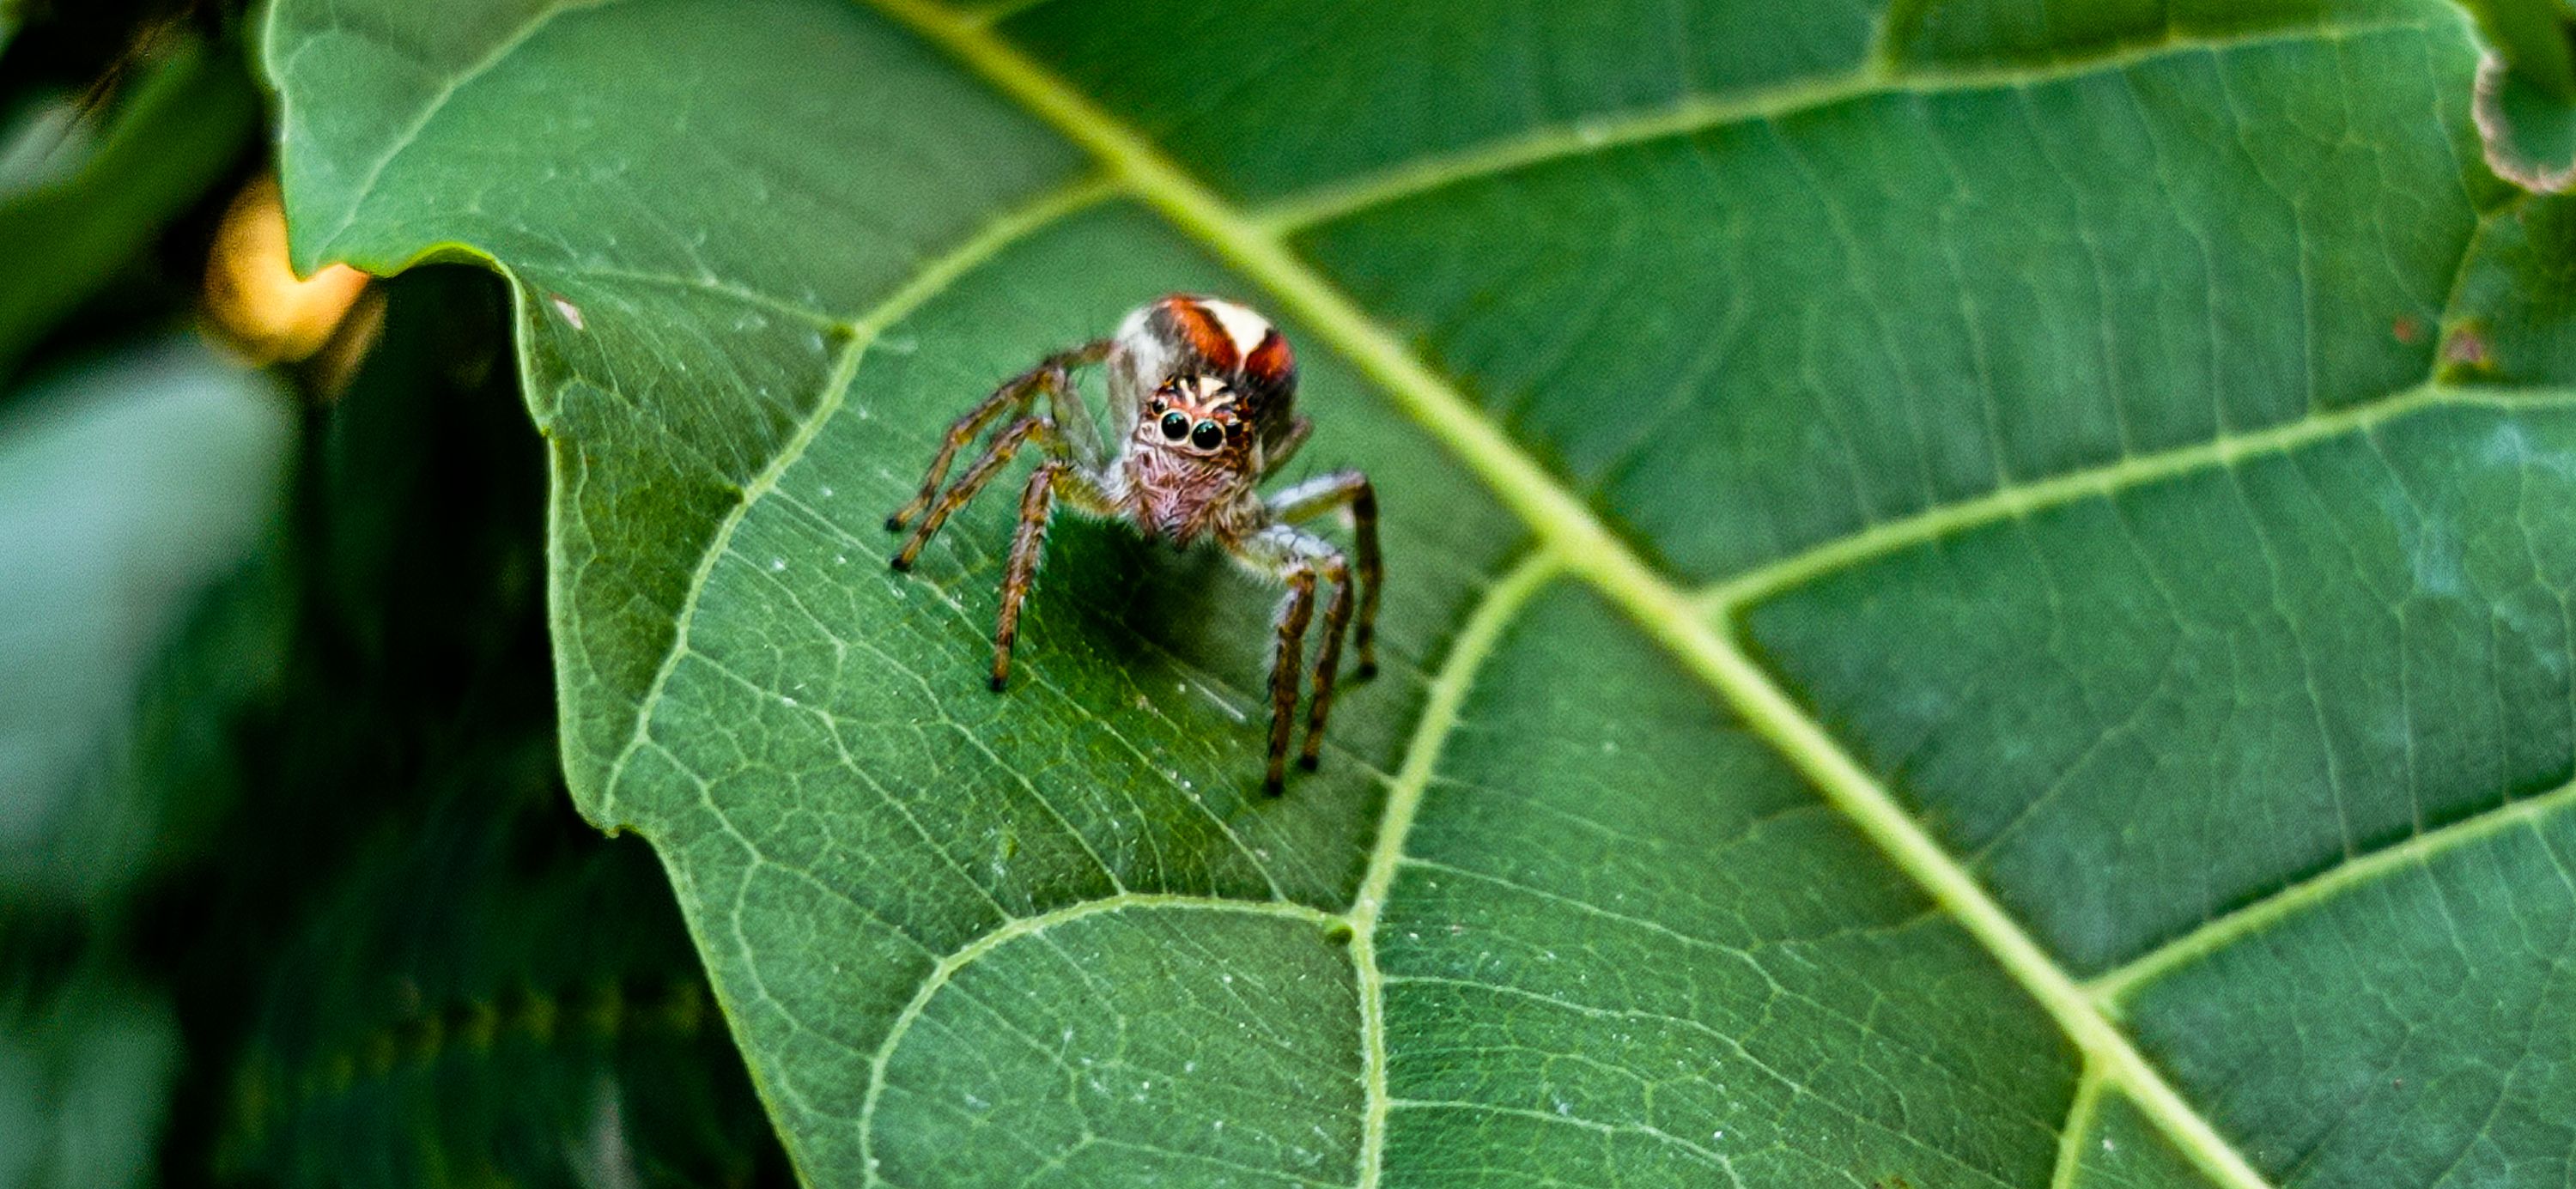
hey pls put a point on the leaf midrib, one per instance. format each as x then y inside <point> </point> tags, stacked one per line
<point>1569,530</point>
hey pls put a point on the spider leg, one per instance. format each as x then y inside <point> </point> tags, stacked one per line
<point>1284,663</point>
<point>1037,504</point>
<point>1298,559</point>
<point>1337,617</point>
<point>1052,376</point>
<point>1005,444</point>
<point>1064,403</point>
<point>1298,431</point>
<point>1351,489</point>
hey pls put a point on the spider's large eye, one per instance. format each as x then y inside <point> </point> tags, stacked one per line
<point>1208,436</point>
<point>1176,425</point>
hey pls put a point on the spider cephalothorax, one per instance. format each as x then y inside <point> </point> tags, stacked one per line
<point>1202,407</point>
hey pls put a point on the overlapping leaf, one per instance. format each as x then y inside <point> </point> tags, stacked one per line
<point>1978,596</point>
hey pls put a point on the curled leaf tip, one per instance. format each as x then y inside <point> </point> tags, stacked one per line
<point>2528,135</point>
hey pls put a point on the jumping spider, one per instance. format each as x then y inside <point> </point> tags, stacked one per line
<point>1203,402</point>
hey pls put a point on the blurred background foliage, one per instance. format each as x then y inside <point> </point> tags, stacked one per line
<point>289,892</point>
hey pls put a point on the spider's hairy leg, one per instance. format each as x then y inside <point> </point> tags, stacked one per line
<point>1289,651</point>
<point>1037,505</point>
<point>1073,418</point>
<point>1299,559</point>
<point>1350,489</point>
<point>1328,658</point>
<point>1005,444</point>
<point>1053,376</point>
<point>1298,431</point>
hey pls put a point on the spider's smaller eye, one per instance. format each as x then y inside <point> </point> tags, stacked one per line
<point>1175,425</point>
<point>1207,436</point>
<point>1156,405</point>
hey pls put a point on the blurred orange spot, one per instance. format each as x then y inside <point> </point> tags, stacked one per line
<point>255,300</point>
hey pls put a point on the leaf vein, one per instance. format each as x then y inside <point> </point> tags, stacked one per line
<point>929,282</point>
<point>1484,627</point>
<point>1735,594</point>
<point>2017,500</point>
<point>2114,986</point>
<point>438,102</point>
<point>1017,927</point>
<point>1697,113</point>
<point>1706,1155</point>
<point>1731,1043</point>
<point>2079,1121</point>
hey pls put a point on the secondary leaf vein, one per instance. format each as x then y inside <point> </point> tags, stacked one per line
<point>934,277</point>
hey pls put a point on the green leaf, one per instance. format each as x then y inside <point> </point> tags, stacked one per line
<point>77,207</point>
<point>2531,37</point>
<point>477,996</point>
<point>1976,597</point>
<point>139,493</point>
<point>87,1056</point>
<point>409,962</point>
